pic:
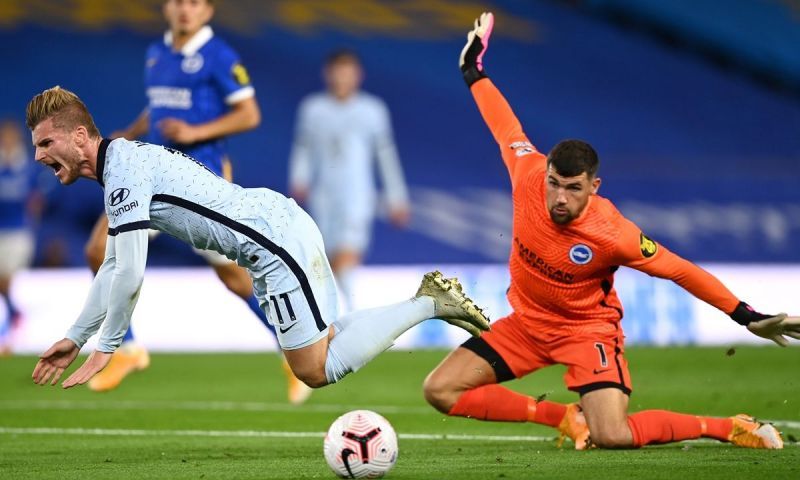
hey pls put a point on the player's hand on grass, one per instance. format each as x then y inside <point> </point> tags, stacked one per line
<point>54,361</point>
<point>471,60</point>
<point>178,131</point>
<point>92,366</point>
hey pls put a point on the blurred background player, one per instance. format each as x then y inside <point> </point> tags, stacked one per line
<point>18,200</point>
<point>568,242</point>
<point>199,93</point>
<point>340,133</point>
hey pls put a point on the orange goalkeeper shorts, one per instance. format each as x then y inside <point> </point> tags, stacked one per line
<point>593,360</point>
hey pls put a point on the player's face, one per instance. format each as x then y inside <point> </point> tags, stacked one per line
<point>57,148</point>
<point>186,17</point>
<point>343,78</point>
<point>568,196</point>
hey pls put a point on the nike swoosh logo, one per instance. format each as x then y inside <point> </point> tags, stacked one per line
<point>287,328</point>
<point>596,371</point>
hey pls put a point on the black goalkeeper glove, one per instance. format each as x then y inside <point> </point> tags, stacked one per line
<point>771,327</point>
<point>471,61</point>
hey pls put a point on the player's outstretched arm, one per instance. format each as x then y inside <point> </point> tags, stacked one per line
<point>137,129</point>
<point>243,116</point>
<point>637,251</point>
<point>495,110</point>
<point>129,250</point>
<point>772,327</point>
<point>301,166</point>
<point>57,358</point>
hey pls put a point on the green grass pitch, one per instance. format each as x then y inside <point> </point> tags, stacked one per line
<point>224,416</point>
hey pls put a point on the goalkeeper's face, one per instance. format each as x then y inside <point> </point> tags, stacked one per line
<point>567,197</point>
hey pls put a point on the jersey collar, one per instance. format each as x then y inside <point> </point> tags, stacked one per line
<point>101,160</point>
<point>195,43</point>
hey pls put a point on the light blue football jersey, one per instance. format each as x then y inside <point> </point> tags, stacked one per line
<point>150,186</point>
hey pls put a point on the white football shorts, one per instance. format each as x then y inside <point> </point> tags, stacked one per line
<point>16,251</point>
<point>298,291</point>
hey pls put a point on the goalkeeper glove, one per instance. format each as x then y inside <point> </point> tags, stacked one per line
<point>771,327</point>
<point>471,61</point>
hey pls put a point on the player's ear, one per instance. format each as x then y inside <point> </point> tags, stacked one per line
<point>80,135</point>
<point>209,11</point>
<point>595,185</point>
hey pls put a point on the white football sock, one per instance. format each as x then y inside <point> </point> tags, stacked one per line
<point>360,336</point>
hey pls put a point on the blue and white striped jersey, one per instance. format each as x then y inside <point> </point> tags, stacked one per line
<point>196,84</point>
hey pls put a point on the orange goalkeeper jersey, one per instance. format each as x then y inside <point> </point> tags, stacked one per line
<point>562,276</point>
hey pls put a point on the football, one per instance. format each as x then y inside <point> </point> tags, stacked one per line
<point>361,444</point>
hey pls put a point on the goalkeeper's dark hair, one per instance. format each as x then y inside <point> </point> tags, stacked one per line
<point>571,158</point>
<point>342,55</point>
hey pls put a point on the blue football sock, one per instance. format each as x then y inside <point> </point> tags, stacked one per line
<point>128,335</point>
<point>252,302</point>
<point>5,326</point>
<point>11,310</point>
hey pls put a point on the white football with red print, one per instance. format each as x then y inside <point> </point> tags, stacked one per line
<point>361,444</point>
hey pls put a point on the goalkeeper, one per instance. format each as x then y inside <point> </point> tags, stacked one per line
<point>567,243</point>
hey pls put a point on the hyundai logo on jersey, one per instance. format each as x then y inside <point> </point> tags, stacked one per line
<point>118,196</point>
<point>580,254</point>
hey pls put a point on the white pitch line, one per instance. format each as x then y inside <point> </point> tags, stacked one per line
<point>211,406</point>
<point>117,432</point>
<point>785,423</point>
<point>253,433</point>
<point>236,406</point>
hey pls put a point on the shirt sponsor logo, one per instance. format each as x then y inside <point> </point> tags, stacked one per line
<point>192,64</point>
<point>170,97</point>
<point>522,148</point>
<point>125,208</point>
<point>580,254</point>
<point>535,261</point>
<point>118,196</point>
<point>647,246</point>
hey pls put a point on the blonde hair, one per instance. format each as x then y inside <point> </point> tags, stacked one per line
<point>64,107</point>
